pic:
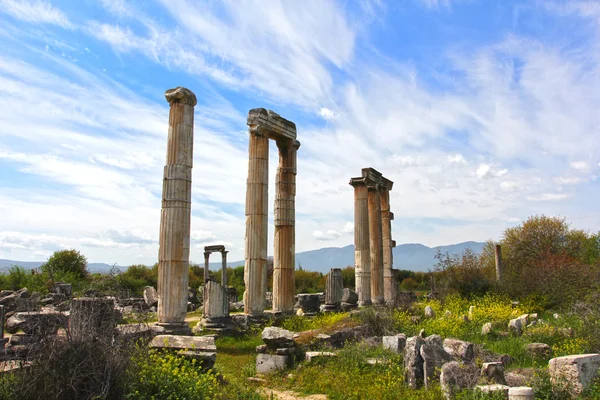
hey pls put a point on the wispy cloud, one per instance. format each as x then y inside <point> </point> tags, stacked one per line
<point>36,11</point>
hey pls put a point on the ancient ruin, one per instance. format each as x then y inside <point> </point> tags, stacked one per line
<point>262,126</point>
<point>215,295</point>
<point>373,259</point>
<point>174,241</point>
<point>498,258</point>
<point>334,290</point>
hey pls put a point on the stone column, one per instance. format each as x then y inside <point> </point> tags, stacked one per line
<point>376,247</point>
<point>362,253</point>
<point>224,269</point>
<point>92,317</point>
<point>499,266</point>
<point>174,241</point>
<point>334,290</point>
<point>389,283</point>
<point>206,265</point>
<point>257,187</point>
<point>284,256</point>
<point>216,304</point>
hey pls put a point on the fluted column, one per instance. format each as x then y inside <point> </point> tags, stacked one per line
<point>499,266</point>
<point>257,187</point>
<point>224,269</point>
<point>174,241</point>
<point>206,265</point>
<point>284,262</point>
<point>362,253</point>
<point>376,247</point>
<point>334,290</point>
<point>389,284</point>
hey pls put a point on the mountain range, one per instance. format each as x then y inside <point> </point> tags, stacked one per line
<point>410,256</point>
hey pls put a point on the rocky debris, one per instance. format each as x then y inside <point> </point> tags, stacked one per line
<point>201,348</point>
<point>309,303</point>
<point>434,357</point>
<point>21,300</point>
<point>434,340</point>
<point>63,289</point>
<point>261,348</point>
<point>314,355</point>
<point>279,351</point>
<point>275,337</point>
<point>538,350</point>
<point>486,329</point>
<point>492,389</point>
<point>520,377</point>
<point>349,299</point>
<point>339,338</point>
<point>575,372</point>
<point>413,362</point>
<point>521,393</point>
<point>429,312</point>
<point>459,349</point>
<point>456,376</point>
<point>236,306</point>
<point>133,332</point>
<point>493,372</point>
<point>394,343</point>
<point>150,296</point>
<point>36,322</point>
<point>515,326</point>
<point>268,363</point>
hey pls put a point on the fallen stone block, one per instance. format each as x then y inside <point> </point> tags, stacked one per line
<point>199,347</point>
<point>521,393</point>
<point>492,389</point>
<point>394,343</point>
<point>269,363</point>
<point>493,372</point>
<point>575,373</point>
<point>538,350</point>
<point>459,349</point>
<point>315,355</point>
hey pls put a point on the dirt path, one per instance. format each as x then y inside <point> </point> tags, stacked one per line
<point>289,395</point>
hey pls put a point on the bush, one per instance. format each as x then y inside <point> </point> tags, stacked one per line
<point>66,261</point>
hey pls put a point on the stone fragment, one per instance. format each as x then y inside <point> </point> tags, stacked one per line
<point>150,296</point>
<point>413,362</point>
<point>394,343</point>
<point>275,337</point>
<point>434,357</point>
<point>471,312</point>
<point>515,326</point>
<point>308,302</point>
<point>521,393</point>
<point>314,355</point>
<point>201,348</point>
<point>459,349</point>
<point>269,363</point>
<point>334,292</point>
<point>486,329</point>
<point>538,350</point>
<point>132,332</point>
<point>349,296</point>
<point>493,372</point>
<point>429,312</point>
<point>36,322</point>
<point>284,351</point>
<point>92,317</point>
<point>493,389</point>
<point>447,314</point>
<point>456,376</point>
<point>556,316</point>
<point>576,372</point>
<point>434,340</point>
<point>63,289</point>
<point>261,348</point>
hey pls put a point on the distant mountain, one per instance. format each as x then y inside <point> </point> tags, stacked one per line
<point>411,256</point>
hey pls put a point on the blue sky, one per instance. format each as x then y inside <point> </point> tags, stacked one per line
<point>482,113</point>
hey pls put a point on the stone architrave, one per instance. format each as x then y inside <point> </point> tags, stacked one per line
<point>499,265</point>
<point>362,251</point>
<point>174,241</point>
<point>334,290</point>
<point>376,245</point>
<point>284,258</point>
<point>262,126</point>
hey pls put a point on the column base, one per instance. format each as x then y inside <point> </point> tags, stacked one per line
<point>172,328</point>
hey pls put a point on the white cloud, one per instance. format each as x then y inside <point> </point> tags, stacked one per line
<point>567,180</point>
<point>349,227</point>
<point>483,171</point>
<point>325,236</point>
<point>327,114</point>
<point>549,197</point>
<point>36,11</point>
<point>457,159</point>
<point>581,166</point>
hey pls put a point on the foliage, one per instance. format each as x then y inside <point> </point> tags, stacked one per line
<point>66,261</point>
<point>168,376</point>
<point>348,277</point>
<point>321,321</point>
<point>309,281</point>
<point>462,274</point>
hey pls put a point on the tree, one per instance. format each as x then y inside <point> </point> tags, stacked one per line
<point>66,262</point>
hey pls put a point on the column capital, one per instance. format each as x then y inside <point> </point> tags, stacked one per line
<point>287,143</point>
<point>181,95</point>
<point>268,123</point>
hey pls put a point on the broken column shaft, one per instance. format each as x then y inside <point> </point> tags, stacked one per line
<point>376,245</point>
<point>334,290</point>
<point>174,241</point>
<point>389,282</point>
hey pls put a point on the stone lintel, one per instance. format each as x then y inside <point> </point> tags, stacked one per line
<point>372,175</point>
<point>269,124</point>
<point>181,95</point>
<point>215,248</point>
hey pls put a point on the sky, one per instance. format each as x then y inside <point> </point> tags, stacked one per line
<point>482,113</point>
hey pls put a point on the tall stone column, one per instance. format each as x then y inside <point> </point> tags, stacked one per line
<point>257,188</point>
<point>499,266</point>
<point>174,241</point>
<point>376,246</point>
<point>224,269</point>
<point>334,290</point>
<point>206,265</point>
<point>284,257</point>
<point>389,284</point>
<point>362,253</point>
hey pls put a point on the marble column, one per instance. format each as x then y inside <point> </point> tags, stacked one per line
<point>334,290</point>
<point>284,257</point>
<point>362,253</point>
<point>174,240</point>
<point>376,247</point>
<point>257,188</point>
<point>499,266</point>
<point>389,284</point>
<point>206,265</point>
<point>224,269</point>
